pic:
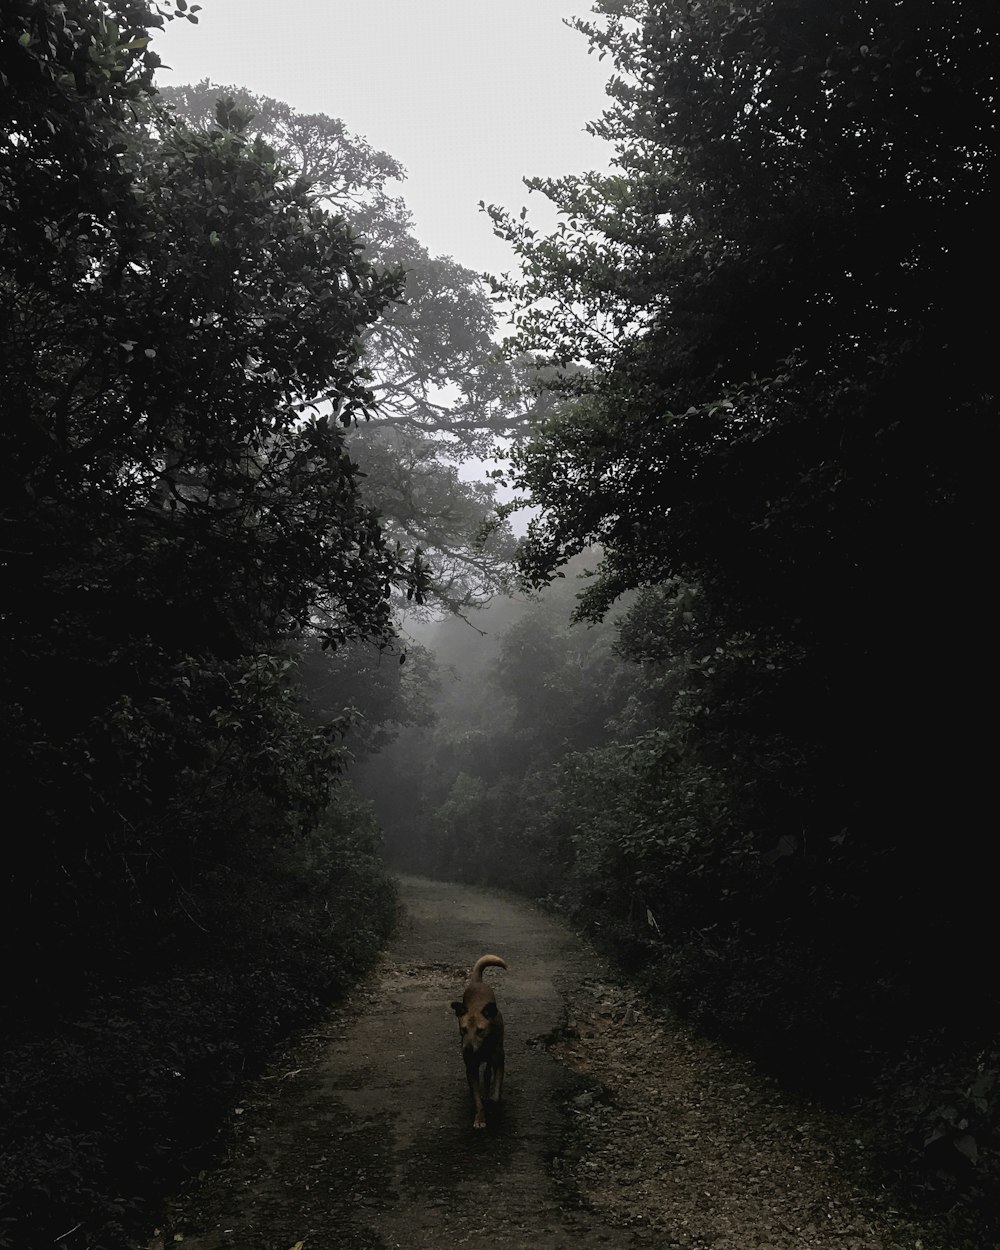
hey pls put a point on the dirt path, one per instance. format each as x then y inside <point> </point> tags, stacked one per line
<point>618,1127</point>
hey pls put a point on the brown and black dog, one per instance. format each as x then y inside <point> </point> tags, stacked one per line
<point>480,1026</point>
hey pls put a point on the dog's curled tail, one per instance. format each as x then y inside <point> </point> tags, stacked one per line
<point>485,961</point>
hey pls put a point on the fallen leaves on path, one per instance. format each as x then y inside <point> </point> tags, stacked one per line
<point>686,1145</point>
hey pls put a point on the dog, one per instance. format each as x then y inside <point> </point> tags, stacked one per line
<point>480,1028</point>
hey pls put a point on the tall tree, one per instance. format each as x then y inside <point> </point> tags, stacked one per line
<point>443,394</point>
<point>173,312</point>
<point>774,301</point>
<point>778,388</point>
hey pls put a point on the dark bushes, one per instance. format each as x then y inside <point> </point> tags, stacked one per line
<point>106,1107</point>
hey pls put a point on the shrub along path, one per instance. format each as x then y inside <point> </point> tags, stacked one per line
<point>620,1127</point>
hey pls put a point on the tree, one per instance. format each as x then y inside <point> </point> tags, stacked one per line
<point>776,392</point>
<point>759,176</point>
<point>173,315</point>
<point>443,395</point>
<point>772,299</point>
<point>71,76</point>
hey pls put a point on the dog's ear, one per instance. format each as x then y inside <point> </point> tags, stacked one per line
<point>490,1010</point>
<point>458,1008</point>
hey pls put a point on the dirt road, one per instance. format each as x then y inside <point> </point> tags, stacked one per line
<point>618,1126</point>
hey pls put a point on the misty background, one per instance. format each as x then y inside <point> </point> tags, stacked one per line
<point>404,478</point>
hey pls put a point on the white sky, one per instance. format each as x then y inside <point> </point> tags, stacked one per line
<point>470,96</point>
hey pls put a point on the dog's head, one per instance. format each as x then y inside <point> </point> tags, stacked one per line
<point>475,1024</point>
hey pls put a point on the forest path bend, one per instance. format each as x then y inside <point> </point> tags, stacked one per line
<point>618,1127</point>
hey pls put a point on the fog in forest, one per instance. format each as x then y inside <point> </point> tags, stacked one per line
<point>508,687</point>
<point>605,525</point>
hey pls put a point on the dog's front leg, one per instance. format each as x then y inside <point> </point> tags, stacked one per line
<point>476,1085</point>
<point>496,1075</point>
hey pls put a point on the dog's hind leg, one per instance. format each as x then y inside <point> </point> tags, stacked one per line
<point>476,1086</point>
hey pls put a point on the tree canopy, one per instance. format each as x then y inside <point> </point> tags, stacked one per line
<point>773,303</point>
<point>176,314</point>
<point>802,194</point>
<point>442,392</point>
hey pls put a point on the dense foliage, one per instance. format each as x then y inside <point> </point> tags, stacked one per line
<point>178,316</point>
<point>774,390</point>
<point>443,393</point>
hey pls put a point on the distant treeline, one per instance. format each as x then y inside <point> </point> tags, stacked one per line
<point>771,391</point>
